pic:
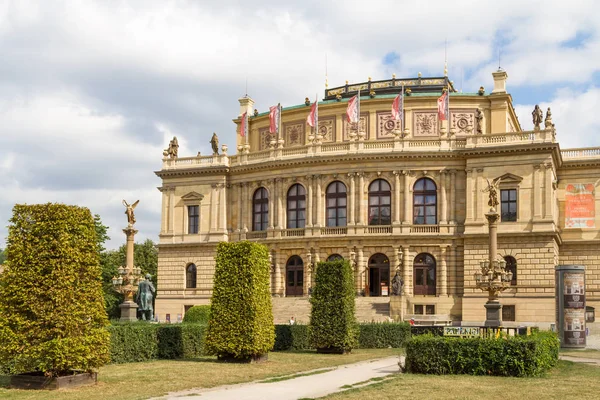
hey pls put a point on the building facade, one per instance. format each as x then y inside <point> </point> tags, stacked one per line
<point>392,197</point>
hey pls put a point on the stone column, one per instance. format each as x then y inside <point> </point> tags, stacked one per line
<point>547,191</point>
<point>240,199</point>
<point>452,196</point>
<point>361,200</point>
<point>246,205</point>
<point>280,204</point>
<point>478,203</point>
<point>309,201</point>
<point>164,215</point>
<point>213,207</point>
<point>360,267</point>
<point>222,208</point>
<point>443,274</point>
<point>352,199</point>
<point>272,199</point>
<point>407,200</point>
<point>129,307</point>
<point>396,197</point>
<point>408,269</point>
<point>171,210</point>
<point>443,199</point>
<point>319,202</point>
<point>277,275</point>
<point>493,306</point>
<point>469,201</point>
<point>537,191</point>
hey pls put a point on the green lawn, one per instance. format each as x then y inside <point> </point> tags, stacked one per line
<point>568,381</point>
<point>144,380</point>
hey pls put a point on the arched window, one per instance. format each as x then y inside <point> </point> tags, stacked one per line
<point>336,204</point>
<point>379,275</point>
<point>424,274</point>
<point>260,210</point>
<point>424,202</point>
<point>335,257</point>
<point>511,265</point>
<point>190,276</point>
<point>296,207</point>
<point>294,276</point>
<point>380,209</point>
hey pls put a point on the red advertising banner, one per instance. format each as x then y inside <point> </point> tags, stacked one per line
<point>580,211</point>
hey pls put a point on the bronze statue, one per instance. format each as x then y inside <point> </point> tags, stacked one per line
<point>144,297</point>
<point>397,284</point>
<point>478,121</point>
<point>538,116</point>
<point>173,149</point>
<point>492,188</point>
<point>214,142</point>
<point>129,212</point>
<point>548,121</point>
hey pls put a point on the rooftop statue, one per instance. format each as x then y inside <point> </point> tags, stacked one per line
<point>173,149</point>
<point>538,116</point>
<point>548,121</point>
<point>129,212</point>
<point>478,121</point>
<point>214,142</point>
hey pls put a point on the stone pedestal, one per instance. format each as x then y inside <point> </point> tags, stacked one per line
<point>128,311</point>
<point>493,315</point>
<point>397,308</point>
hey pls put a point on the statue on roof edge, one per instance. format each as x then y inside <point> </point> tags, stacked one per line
<point>214,142</point>
<point>538,116</point>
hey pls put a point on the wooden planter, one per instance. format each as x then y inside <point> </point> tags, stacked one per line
<point>37,381</point>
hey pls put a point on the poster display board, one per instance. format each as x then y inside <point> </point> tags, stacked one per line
<point>570,305</point>
<point>580,211</point>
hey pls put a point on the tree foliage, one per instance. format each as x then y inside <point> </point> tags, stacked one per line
<point>2,256</point>
<point>332,320</point>
<point>197,315</point>
<point>52,316</point>
<point>241,317</point>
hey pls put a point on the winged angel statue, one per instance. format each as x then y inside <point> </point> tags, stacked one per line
<point>129,212</point>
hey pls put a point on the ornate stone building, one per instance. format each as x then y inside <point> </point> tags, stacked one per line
<point>389,197</point>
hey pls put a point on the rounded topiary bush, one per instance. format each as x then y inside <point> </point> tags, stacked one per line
<point>241,318</point>
<point>52,316</point>
<point>197,315</point>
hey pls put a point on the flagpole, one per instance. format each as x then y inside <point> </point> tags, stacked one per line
<point>246,130</point>
<point>316,114</point>
<point>279,133</point>
<point>358,116</point>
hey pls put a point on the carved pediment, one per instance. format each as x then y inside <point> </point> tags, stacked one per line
<point>192,197</point>
<point>509,179</point>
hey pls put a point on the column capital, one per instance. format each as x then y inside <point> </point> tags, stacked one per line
<point>537,166</point>
<point>479,170</point>
<point>397,173</point>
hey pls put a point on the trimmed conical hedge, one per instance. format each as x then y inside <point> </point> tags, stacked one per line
<point>52,316</point>
<point>241,318</point>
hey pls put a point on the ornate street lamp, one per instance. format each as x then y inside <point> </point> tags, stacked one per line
<point>493,276</point>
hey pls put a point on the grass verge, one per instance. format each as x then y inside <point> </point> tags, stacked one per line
<point>157,378</point>
<point>567,380</point>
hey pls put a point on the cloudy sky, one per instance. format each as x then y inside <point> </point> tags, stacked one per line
<point>91,91</point>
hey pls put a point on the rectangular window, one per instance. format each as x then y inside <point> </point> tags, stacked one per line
<point>508,203</point>
<point>508,313</point>
<point>193,218</point>
<point>419,309</point>
<point>430,309</point>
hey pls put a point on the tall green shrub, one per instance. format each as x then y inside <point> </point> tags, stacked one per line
<point>241,317</point>
<point>197,315</point>
<point>332,320</point>
<point>52,316</point>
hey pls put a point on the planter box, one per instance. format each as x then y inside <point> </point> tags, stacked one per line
<point>37,381</point>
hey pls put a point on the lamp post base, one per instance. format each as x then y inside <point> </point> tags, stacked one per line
<point>128,311</point>
<point>493,313</point>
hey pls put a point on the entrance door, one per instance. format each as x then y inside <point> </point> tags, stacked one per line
<point>424,275</point>
<point>294,276</point>
<point>379,275</point>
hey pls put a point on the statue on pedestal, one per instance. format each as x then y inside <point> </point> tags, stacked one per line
<point>397,284</point>
<point>129,212</point>
<point>548,121</point>
<point>478,121</point>
<point>492,188</point>
<point>144,297</point>
<point>214,142</point>
<point>173,148</point>
<point>538,116</point>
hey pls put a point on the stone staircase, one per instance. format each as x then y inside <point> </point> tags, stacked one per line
<point>367,309</point>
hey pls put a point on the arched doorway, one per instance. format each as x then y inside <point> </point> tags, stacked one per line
<point>379,275</point>
<point>294,277</point>
<point>424,274</point>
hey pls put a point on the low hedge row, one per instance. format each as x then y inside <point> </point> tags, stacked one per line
<point>143,342</point>
<point>505,356</point>
<point>374,335</point>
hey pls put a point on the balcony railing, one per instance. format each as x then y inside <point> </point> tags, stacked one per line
<point>334,231</point>
<point>379,229</point>
<point>257,235</point>
<point>293,232</point>
<point>396,145</point>
<point>425,229</point>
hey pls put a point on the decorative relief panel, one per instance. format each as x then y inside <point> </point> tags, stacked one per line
<point>425,124</point>
<point>348,127</point>
<point>386,125</point>
<point>264,139</point>
<point>460,120</point>
<point>294,133</point>
<point>327,129</point>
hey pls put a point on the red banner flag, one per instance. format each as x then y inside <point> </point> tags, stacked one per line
<point>397,108</point>
<point>313,115</point>
<point>443,107</point>
<point>274,116</point>
<point>244,124</point>
<point>352,110</point>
